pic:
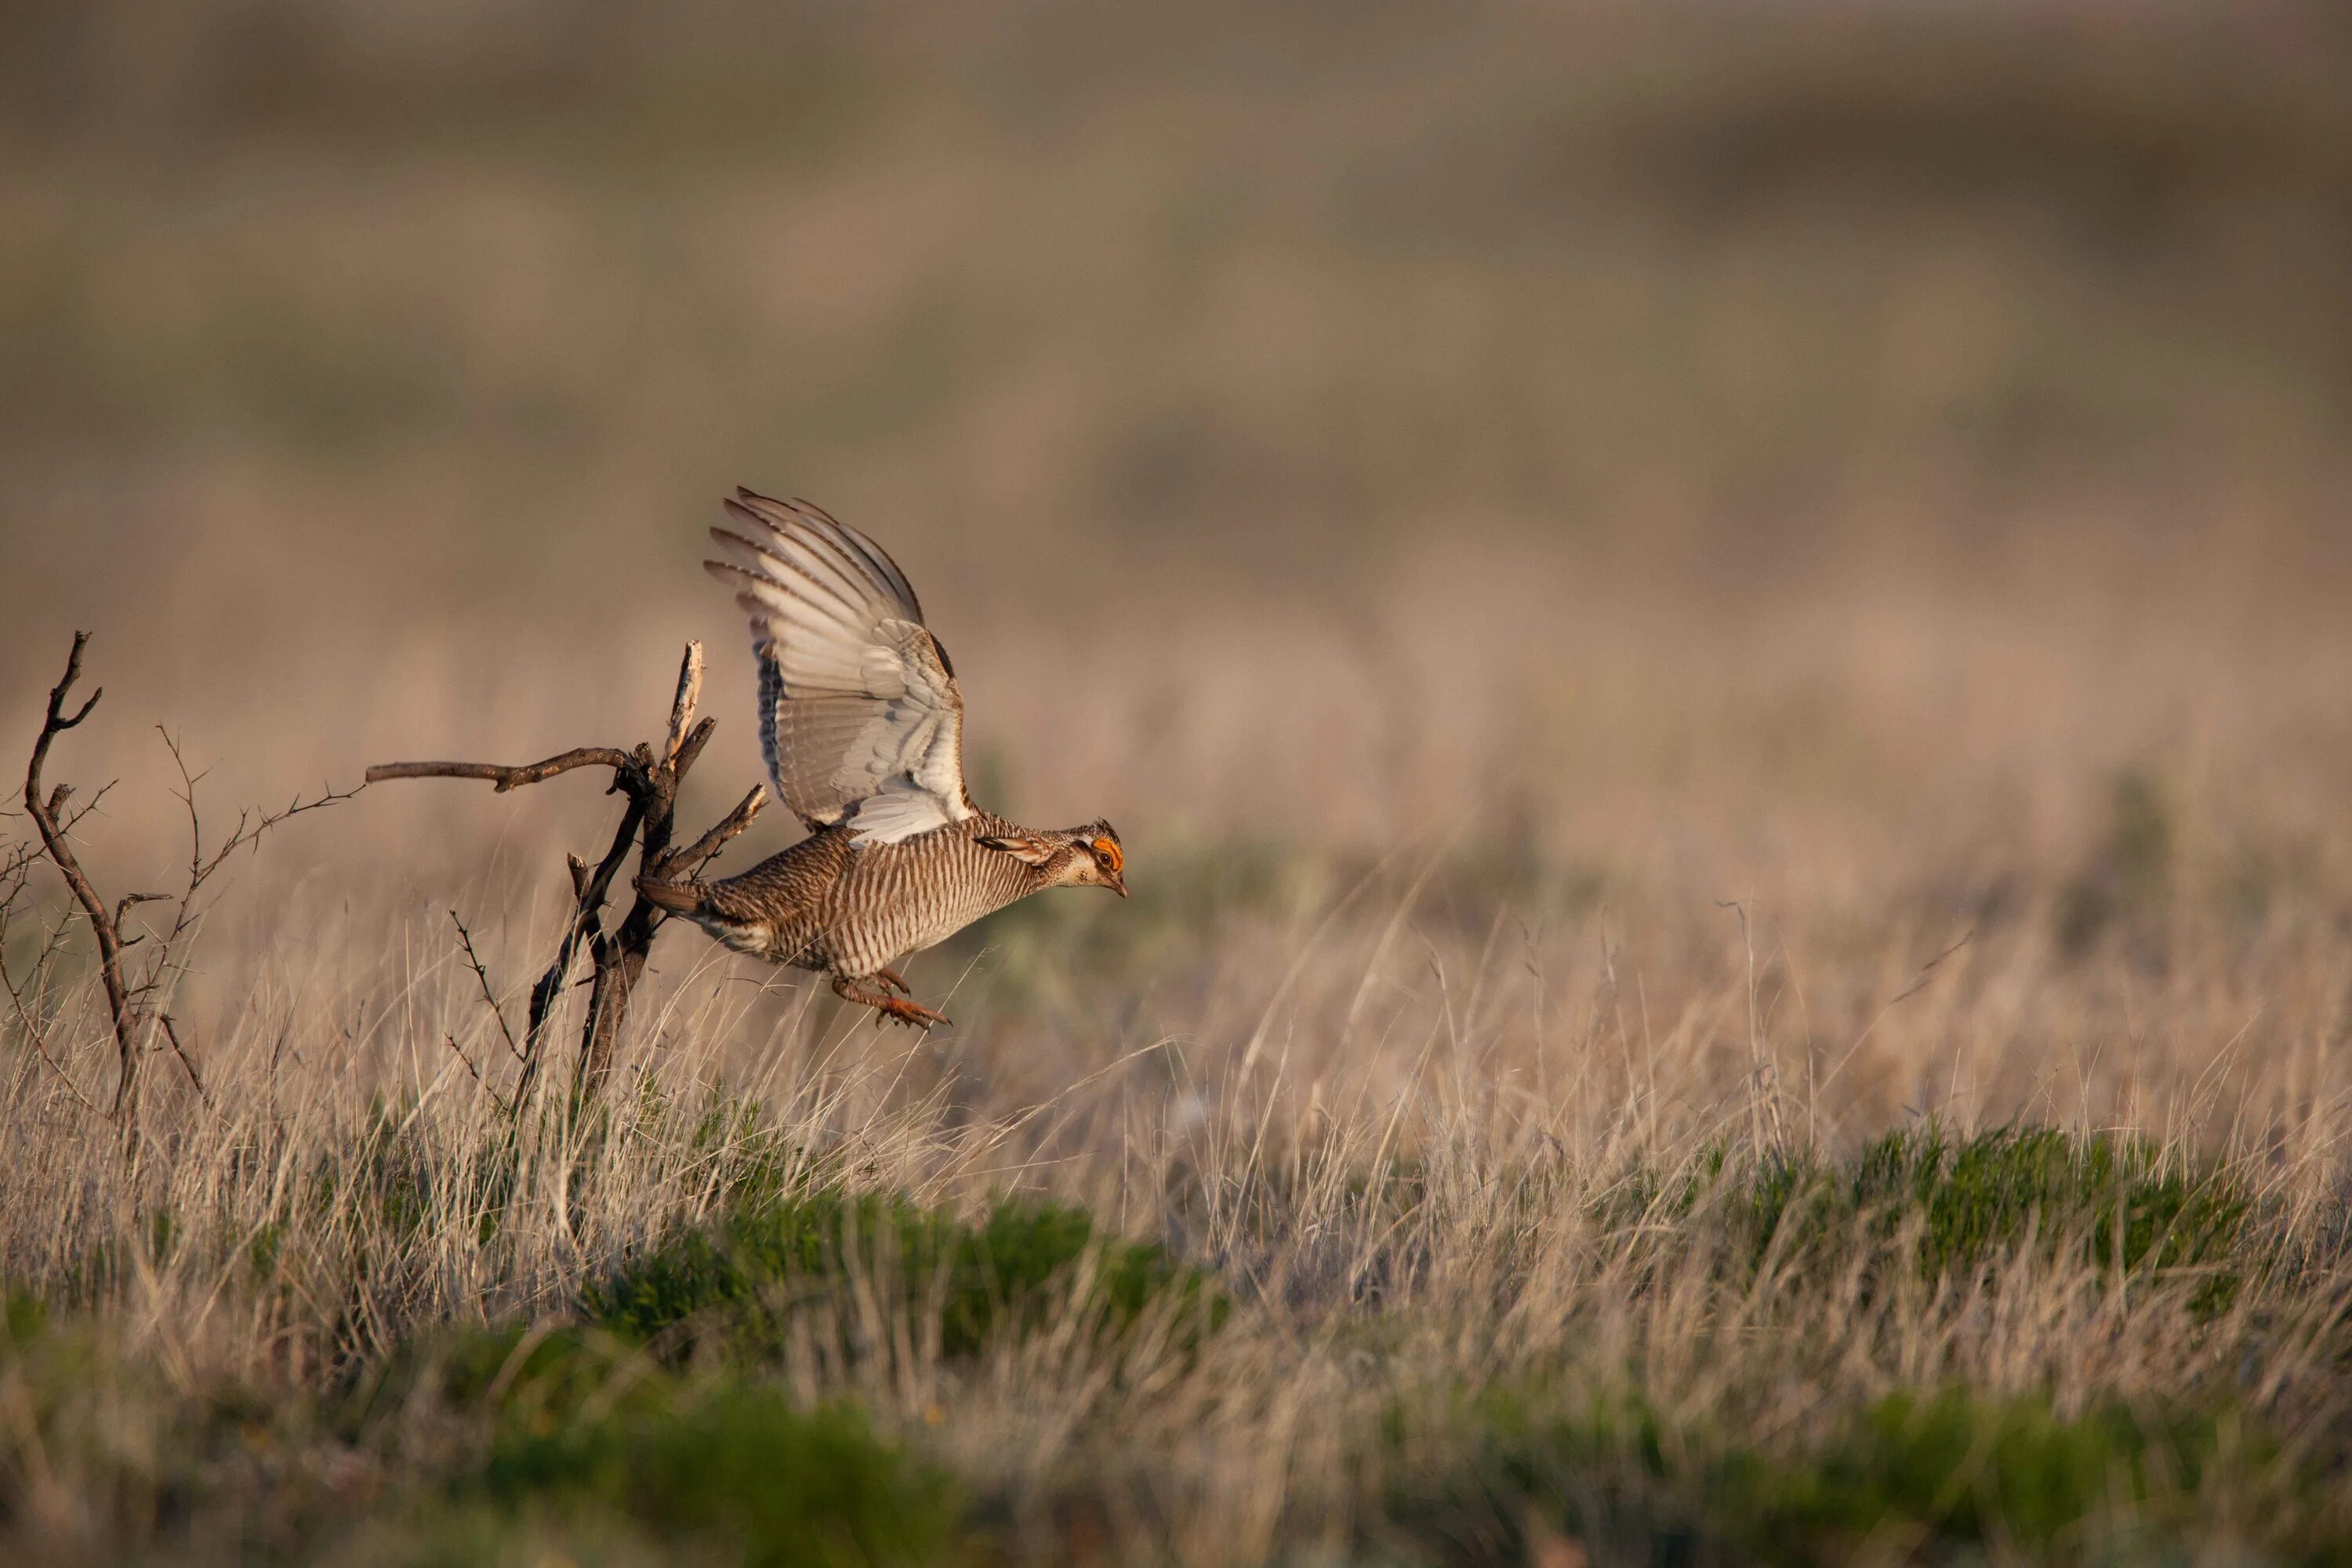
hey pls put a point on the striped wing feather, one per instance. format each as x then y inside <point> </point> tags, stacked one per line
<point>860,717</point>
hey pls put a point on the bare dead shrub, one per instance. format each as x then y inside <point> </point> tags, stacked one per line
<point>134,990</point>
<point>648,778</point>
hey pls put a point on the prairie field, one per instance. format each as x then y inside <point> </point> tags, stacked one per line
<point>1718,636</point>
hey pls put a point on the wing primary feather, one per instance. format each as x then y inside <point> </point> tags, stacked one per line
<point>822,533</point>
<point>805,555</point>
<point>752,588</point>
<point>808,595</point>
<point>796,517</point>
<point>763,565</point>
<point>875,560</point>
<point>827,553</point>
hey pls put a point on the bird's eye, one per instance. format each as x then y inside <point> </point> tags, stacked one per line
<point>1107,853</point>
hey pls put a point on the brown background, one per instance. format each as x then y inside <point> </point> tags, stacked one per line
<point>1802,454</point>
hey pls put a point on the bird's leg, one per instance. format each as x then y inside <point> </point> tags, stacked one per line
<point>890,977</point>
<point>889,1006</point>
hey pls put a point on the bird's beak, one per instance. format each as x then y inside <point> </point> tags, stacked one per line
<point>1119,883</point>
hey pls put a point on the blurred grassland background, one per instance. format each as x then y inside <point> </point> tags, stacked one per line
<point>1470,491</point>
<point>1693,453</point>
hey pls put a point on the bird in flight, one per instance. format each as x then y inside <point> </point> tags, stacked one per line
<point>862,725</point>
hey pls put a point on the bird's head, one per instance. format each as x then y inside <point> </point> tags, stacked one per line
<point>1088,857</point>
<point>1097,860</point>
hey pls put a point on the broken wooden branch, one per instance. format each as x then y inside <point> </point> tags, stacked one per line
<point>649,778</point>
<point>689,695</point>
<point>504,778</point>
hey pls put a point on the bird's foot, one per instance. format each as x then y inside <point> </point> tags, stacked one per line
<point>890,977</point>
<point>913,1013</point>
<point>891,1007</point>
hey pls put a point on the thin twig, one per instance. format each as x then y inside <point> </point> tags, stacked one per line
<point>249,831</point>
<point>12,888</point>
<point>504,1109</point>
<point>40,1047</point>
<point>1927,969</point>
<point>697,854</point>
<point>68,821</point>
<point>203,866</point>
<point>171,1033</point>
<point>1926,973</point>
<point>122,907</point>
<point>483,975</point>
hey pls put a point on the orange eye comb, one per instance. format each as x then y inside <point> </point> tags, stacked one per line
<point>1109,851</point>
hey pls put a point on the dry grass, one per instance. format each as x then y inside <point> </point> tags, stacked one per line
<point>1656,597</point>
<point>1424,1113</point>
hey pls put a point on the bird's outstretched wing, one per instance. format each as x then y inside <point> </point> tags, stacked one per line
<point>859,714</point>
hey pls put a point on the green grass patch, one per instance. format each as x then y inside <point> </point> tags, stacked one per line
<point>561,1438</point>
<point>2118,1203</point>
<point>1957,1207</point>
<point>539,1374</point>
<point>22,1315</point>
<point>734,1284</point>
<point>739,1468</point>
<point>1956,1468</point>
<point>1909,1476</point>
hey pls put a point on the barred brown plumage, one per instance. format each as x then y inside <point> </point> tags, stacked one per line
<point>861,722</point>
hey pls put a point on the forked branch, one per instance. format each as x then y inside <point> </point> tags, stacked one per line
<point>129,999</point>
<point>650,777</point>
<point>102,924</point>
<point>699,854</point>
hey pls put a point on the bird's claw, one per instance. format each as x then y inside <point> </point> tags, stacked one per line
<point>912,1013</point>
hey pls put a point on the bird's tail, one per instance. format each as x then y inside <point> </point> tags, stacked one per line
<point>677,898</point>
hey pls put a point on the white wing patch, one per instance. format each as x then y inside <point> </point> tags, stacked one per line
<point>893,814</point>
<point>860,717</point>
